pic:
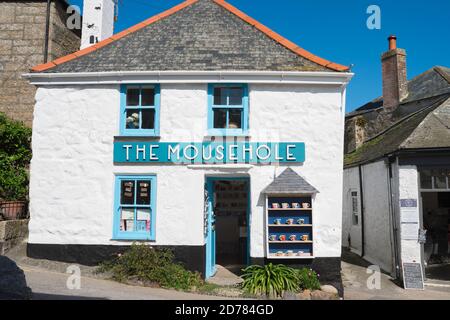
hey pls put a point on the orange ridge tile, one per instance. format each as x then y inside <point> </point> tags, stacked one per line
<point>43,66</point>
<point>115,37</point>
<point>281,40</point>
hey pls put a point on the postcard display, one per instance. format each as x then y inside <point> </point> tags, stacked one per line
<point>135,200</point>
<point>289,224</point>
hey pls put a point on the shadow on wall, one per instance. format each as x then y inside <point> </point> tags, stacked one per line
<point>13,285</point>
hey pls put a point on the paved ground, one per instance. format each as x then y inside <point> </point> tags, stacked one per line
<point>355,276</point>
<point>53,285</point>
<point>226,276</point>
<point>48,280</point>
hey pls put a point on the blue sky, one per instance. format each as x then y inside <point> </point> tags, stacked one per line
<point>336,31</point>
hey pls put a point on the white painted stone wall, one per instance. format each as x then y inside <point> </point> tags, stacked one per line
<point>98,21</point>
<point>351,233</point>
<point>409,189</point>
<point>377,220</point>
<point>72,171</point>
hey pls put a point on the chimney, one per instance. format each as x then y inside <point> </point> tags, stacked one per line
<point>98,21</point>
<point>395,86</point>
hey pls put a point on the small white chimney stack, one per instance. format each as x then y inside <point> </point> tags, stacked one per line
<point>98,21</point>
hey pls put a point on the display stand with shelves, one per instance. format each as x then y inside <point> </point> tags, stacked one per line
<point>289,226</point>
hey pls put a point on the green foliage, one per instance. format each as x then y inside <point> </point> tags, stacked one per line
<point>271,279</point>
<point>308,279</point>
<point>144,263</point>
<point>15,156</point>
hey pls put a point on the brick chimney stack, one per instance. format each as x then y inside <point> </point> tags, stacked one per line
<point>395,85</point>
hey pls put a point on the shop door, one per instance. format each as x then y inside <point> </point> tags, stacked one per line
<point>210,229</point>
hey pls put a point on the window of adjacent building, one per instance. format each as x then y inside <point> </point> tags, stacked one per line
<point>355,210</point>
<point>228,109</point>
<point>435,179</point>
<point>140,110</point>
<point>134,216</point>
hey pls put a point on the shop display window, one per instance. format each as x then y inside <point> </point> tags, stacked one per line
<point>134,207</point>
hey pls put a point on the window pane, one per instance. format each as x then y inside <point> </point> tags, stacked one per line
<point>220,118</point>
<point>143,220</point>
<point>148,97</point>
<point>143,192</point>
<point>425,179</point>
<point>440,180</point>
<point>220,96</point>
<point>236,94</point>
<point>132,120</point>
<point>148,119</point>
<point>127,192</point>
<point>132,96</point>
<point>127,219</point>
<point>235,119</point>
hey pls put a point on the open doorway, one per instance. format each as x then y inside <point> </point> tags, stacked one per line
<point>436,220</point>
<point>228,243</point>
<point>230,209</point>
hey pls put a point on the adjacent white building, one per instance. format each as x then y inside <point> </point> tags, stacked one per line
<point>396,192</point>
<point>196,130</point>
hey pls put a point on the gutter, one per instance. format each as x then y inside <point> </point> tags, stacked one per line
<point>190,76</point>
<point>394,227</point>
<point>47,31</point>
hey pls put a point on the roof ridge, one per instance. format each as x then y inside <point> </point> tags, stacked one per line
<point>113,38</point>
<point>442,73</point>
<point>222,3</point>
<point>433,108</point>
<point>280,39</point>
<point>405,119</point>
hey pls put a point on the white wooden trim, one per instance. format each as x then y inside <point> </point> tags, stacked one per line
<point>118,77</point>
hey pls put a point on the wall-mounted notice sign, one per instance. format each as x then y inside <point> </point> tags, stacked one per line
<point>208,152</point>
<point>409,219</point>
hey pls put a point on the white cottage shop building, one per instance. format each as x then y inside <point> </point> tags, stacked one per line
<point>397,172</point>
<point>198,130</point>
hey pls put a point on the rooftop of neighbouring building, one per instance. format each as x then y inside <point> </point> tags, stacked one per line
<point>421,121</point>
<point>194,35</point>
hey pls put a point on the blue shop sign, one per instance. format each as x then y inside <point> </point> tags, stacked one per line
<point>208,152</point>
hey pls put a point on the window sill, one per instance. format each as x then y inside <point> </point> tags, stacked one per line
<point>133,237</point>
<point>136,137</point>
<point>219,133</point>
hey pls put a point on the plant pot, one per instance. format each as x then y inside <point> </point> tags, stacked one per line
<point>13,210</point>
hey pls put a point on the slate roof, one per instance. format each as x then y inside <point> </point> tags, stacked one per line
<point>427,128</point>
<point>289,182</point>
<point>196,35</point>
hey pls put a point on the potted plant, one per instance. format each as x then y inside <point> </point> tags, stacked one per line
<point>15,155</point>
<point>13,190</point>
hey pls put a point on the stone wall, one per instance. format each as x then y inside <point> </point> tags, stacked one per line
<point>22,35</point>
<point>12,232</point>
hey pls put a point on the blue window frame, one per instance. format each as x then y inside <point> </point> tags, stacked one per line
<point>139,110</point>
<point>228,109</point>
<point>134,207</point>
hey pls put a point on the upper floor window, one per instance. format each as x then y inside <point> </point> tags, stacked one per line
<point>134,209</point>
<point>227,109</point>
<point>140,110</point>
